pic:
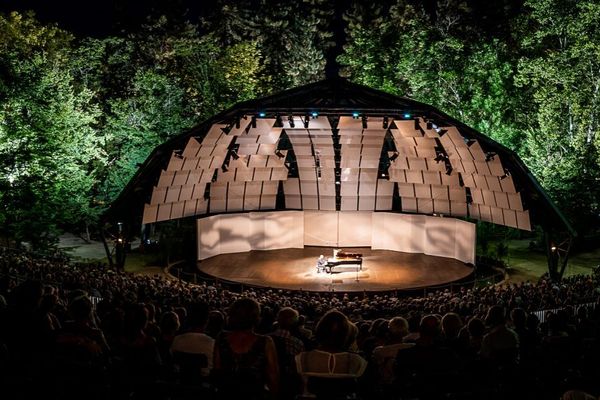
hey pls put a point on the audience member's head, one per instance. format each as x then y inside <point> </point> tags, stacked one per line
<point>451,325</point>
<point>398,328</point>
<point>333,331</point>
<point>216,322</point>
<point>287,318</point>
<point>518,317</point>
<point>495,316</point>
<point>169,323</point>
<point>429,328</point>
<point>476,328</point>
<point>197,315</point>
<point>244,314</point>
<point>81,309</point>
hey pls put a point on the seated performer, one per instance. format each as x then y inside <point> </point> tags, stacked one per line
<point>321,263</point>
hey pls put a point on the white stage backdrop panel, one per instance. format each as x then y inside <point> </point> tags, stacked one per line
<point>410,233</point>
<point>466,241</point>
<point>354,229</point>
<point>442,237</point>
<point>277,230</point>
<point>234,231</point>
<point>208,237</point>
<point>399,232</point>
<point>439,237</point>
<point>321,228</point>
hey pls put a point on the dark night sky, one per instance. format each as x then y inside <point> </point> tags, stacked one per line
<point>106,17</point>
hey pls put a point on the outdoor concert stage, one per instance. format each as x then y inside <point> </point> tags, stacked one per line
<point>296,269</point>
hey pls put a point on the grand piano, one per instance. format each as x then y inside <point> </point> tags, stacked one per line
<point>341,258</point>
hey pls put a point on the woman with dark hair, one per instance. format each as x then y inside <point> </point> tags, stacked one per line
<point>331,370</point>
<point>244,358</point>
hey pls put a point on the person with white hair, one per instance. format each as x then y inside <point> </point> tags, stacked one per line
<point>321,263</point>
<point>385,356</point>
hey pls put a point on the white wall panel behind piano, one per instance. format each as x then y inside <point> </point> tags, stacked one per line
<point>354,229</point>
<point>465,244</point>
<point>320,228</point>
<point>440,239</point>
<point>234,232</point>
<point>276,230</point>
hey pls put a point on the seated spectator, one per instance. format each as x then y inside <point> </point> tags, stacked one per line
<point>500,344</point>
<point>216,322</point>
<point>169,326</point>
<point>194,340</point>
<point>451,326</point>
<point>384,356</point>
<point>141,358</point>
<point>334,334</point>
<point>287,347</point>
<point>303,333</point>
<point>476,331</point>
<point>81,353</point>
<point>428,361</point>
<point>243,357</point>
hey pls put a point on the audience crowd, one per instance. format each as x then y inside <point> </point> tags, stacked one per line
<point>83,331</point>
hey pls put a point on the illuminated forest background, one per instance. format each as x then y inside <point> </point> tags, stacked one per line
<point>83,101</point>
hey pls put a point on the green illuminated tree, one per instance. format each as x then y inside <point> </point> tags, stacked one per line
<point>440,58</point>
<point>560,70</point>
<point>292,37</point>
<point>48,145</point>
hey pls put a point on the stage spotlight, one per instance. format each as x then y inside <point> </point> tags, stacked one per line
<point>224,168</point>
<point>407,116</point>
<point>506,174</point>
<point>291,121</point>
<point>306,121</point>
<point>337,182</point>
<point>262,114</point>
<point>448,170</point>
<point>385,122</point>
<point>279,154</point>
<point>429,125</point>
<point>314,114</point>
<point>234,154</point>
<point>355,114</point>
<point>364,122</point>
<point>553,248</point>
<point>394,156</point>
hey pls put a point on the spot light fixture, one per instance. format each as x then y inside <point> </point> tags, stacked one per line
<point>385,122</point>
<point>355,114</point>
<point>291,121</point>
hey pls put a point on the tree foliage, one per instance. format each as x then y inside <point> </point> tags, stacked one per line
<point>79,115</point>
<point>48,147</point>
<point>535,90</point>
<point>560,70</point>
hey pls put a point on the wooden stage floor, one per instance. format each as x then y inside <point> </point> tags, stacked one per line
<point>295,269</point>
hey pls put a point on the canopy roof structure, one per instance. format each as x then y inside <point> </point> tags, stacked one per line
<point>336,145</point>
